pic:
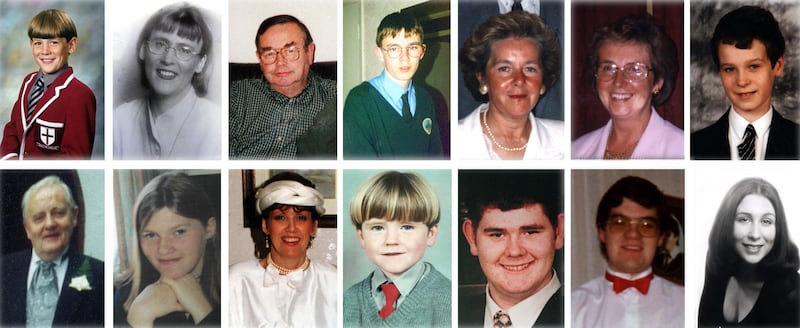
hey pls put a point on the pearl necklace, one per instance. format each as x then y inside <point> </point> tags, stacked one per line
<point>284,271</point>
<point>491,135</point>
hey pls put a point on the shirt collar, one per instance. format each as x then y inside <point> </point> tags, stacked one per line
<point>49,78</point>
<point>739,124</point>
<point>35,257</point>
<point>405,282</point>
<point>526,312</point>
<point>631,276</point>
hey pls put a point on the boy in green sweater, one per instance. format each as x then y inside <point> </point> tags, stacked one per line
<point>387,117</point>
<point>396,216</point>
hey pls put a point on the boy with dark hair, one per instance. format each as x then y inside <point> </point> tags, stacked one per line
<point>387,117</point>
<point>54,114</point>
<point>747,48</point>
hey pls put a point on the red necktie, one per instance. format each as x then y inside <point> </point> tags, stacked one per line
<point>620,284</point>
<point>391,293</point>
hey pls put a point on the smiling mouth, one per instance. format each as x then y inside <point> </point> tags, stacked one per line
<point>168,261</point>
<point>752,249</point>
<point>516,267</point>
<point>166,74</point>
<point>633,248</point>
<point>746,95</point>
<point>617,96</point>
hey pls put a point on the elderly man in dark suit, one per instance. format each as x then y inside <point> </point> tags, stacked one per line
<point>514,225</point>
<point>50,285</point>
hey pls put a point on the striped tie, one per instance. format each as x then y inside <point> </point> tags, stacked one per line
<point>36,95</point>
<point>747,149</point>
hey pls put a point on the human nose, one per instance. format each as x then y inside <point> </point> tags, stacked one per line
<point>291,225</point>
<point>167,58</point>
<point>165,245</point>
<point>619,77</point>
<point>755,232</point>
<point>742,79</point>
<point>632,230</point>
<point>391,237</point>
<point>513,247</point>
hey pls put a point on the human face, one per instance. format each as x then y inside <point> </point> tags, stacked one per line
<point>395,246</point>
<point>624,99</point>
<point>514,76</point>
<point>52,54</point>
<point>289,233</point>
<point>754,228</point>
<point>285,76</point>
<point>515,249</point>
<point>168,75</point>
<point>747,76</point>
<point>175,245</point>
<point>402,68</point>
<point>629,251</point>
<point>49,222</point>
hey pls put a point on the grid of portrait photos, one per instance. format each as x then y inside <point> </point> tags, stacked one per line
<point>400,163</point>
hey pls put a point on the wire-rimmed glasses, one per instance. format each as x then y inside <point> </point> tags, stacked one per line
<point>631,71</point>
<point>289,53</point>
<point>182,52</point>
<point>413,51</point>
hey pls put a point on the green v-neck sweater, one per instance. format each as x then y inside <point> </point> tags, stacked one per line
<point>428,305</point>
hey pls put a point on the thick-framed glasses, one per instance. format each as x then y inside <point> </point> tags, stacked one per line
<point>160,47</point>
<point>414,51</point>
<point>631,71</point>
<point>647,227</point>
<point>290,53</point>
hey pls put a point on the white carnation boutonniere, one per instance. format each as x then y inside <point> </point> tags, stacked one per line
<point>80,281</point>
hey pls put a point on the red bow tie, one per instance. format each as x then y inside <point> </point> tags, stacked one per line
<point>620,284</point>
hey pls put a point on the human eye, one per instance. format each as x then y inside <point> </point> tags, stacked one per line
<point>648,224</point>
<point>607,69</point>
<point>495,233</point>
<point>727,69</point>
<point>767,220</point>
<point>531,69</point>
<point>302,217</point>
<point>504,68</point>
<point>278,217</point>
<point>531,231</point>
<point>407,227</point>
<point>186,51</point>
<point>743,219</point>
<point>290,51</point>
<point>617,221</point>
<point>54,43</point>
<point>376,228</point>
<point>180,231</point>
<point>149,235</point>
<point>754,67</point>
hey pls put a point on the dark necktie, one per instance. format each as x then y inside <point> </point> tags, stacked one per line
<point>36,94</point>
<point>517,6</point>
<point>620,284</point>
<point>747,149</point>
<point>501,320</point>
<point>406,108</point>
<point>391,293</point>
<point>42,296</point>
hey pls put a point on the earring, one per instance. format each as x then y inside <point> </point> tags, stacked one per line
<point>542,90</point>
<point>266,243</point>
<point>656,91</point>
<point>483,89</point>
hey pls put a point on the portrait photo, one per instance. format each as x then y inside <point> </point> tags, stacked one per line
<point>44,128</point>
<point>167,80</point>
<point>282,77</point>
<point>52,247</point>
<point>167,247</point>
<point>627,80</point>
<point>746,247</point>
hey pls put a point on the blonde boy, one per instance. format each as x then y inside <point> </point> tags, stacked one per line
<point>396,217</point>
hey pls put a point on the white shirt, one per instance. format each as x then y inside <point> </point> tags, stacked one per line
<point>546,140</point>
<point>61,264</point>
<point>594,304</point>
<point>660,140</point>
<point>525,313</point>
<point>190,130</point>
<point>736,127</point>
<point>262,298</point>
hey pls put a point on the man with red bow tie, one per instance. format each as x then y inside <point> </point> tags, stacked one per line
<point>628,221</point>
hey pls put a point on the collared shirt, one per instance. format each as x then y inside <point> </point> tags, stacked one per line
<point>595,304</point>
<point>60,267</point>
<point>525,313</point>
<point>531,6</point>
<point>48,79</point>
<point>393,92</point>
<point>736,127</point>
<point>265,124</point>
<point>405,282</point>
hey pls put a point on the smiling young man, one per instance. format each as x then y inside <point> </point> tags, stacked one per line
<point>388,117</point>
<point>514,226</point>
<point>748,49</point>
<point>629,228</point>
<point>54,116</point>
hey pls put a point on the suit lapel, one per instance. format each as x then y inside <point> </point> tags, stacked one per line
<point>69,300</point>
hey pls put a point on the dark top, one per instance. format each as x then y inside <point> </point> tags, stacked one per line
<point>471,310</point>
<point>180,319</point>
<point>374,130</point>
<point>778,304</point>
<point>75,308</point>
<point>711,142</point>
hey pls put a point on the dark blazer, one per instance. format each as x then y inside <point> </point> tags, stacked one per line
<point>75,308</point>
<point>711,142</point>
<point>472,308</point>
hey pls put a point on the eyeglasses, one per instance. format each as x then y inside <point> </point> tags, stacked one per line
<point>413,51</point>
<point>290,53</point>
<point>160,47</point>
<point>647,227</point>
<point>631,71</point>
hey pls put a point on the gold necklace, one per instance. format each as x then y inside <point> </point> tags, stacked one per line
<point>491,135</point>
<point>284,271</point>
